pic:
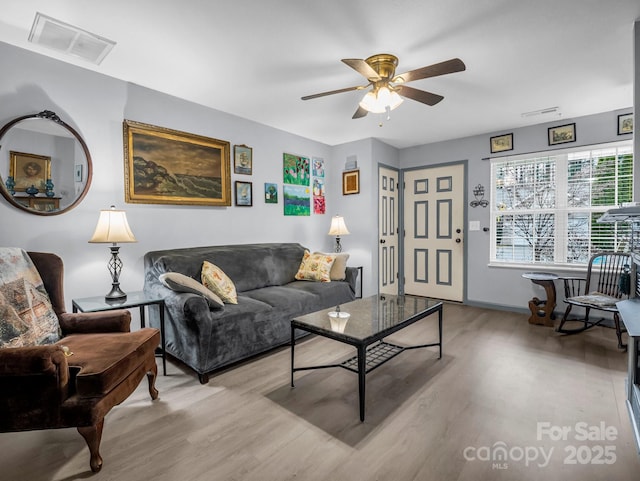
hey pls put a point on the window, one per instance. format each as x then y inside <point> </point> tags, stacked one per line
<point>546,206</point>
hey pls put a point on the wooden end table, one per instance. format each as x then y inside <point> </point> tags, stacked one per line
<point>541,309</point>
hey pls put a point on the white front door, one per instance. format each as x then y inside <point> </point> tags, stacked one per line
<point>434,232</point>
<point>388,231</point>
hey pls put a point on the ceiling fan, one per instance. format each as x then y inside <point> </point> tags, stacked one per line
<point>389,88</point>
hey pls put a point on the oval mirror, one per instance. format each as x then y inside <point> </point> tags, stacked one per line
<point>45,166</point>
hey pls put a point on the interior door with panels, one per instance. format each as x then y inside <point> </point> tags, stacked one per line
<point>433,237</point>
<point>388,231</point>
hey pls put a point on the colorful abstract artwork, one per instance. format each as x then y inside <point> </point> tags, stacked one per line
<point>296,170</point>
<point>318,167</point>
<point>297,200</point>
<point>319,204</point>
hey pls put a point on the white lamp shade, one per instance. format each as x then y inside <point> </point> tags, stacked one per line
<point>338,227</point>
<point>112,227</point>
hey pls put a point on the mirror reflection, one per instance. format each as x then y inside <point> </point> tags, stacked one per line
<point>45,166</point>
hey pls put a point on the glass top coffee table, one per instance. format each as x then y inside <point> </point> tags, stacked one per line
<point>371,320</point>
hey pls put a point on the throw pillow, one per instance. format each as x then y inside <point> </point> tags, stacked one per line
<point>180,283</point>
<point>339,267</point>
<point>315,267</point>
<point>218,282</point>
<point>27,317</point>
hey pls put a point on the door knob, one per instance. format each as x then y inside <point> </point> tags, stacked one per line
<point>382,241</point>
<point>458,241</point>
<point>458,231</point>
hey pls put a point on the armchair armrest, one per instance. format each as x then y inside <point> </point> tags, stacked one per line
<point>34,383</point>
<point>94,322</point>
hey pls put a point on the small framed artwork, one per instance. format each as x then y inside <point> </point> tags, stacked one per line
<point>562,134</point>
<point>625,124</point>
<point>351,182</point>
<point>77,173</point>
<point>242,159</point>
<point>29,170</point>
<point>318,167</point>
<point>501,143</point>
<point>270,193</point>
<point>244,193</point>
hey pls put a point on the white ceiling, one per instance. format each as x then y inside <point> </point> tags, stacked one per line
<point>256,58</point>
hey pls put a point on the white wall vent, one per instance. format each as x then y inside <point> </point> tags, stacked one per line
<point>60,36</point>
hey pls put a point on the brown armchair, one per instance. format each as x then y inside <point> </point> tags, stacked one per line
<point>42,387</point>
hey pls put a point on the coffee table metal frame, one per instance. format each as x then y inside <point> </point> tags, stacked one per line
<point>372,352</point>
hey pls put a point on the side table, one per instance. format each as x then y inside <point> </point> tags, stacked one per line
<point>133,299</point>
<point>542,310</point>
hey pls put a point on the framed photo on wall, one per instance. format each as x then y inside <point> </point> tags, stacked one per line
<point>351,182</point>
<point>244,193</point>
<point>242,159</point>
<point>562,134</point>
<point>501,143</point>
<point>164,166</point>
<point>625,124</point>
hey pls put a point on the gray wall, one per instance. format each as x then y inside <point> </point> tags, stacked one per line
<point>501,286</point>
<point>95,105</point>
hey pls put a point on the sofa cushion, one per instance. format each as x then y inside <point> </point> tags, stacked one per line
<point>339,266</point>
<point>27,317</point>
<point>315,267</point>
<point>102,361</point>
<point>181,283</point>
<point>218,282</point>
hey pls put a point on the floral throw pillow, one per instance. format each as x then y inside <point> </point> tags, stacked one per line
<point>214,279</point>
<point>27,317</point>
<point>315,267</point>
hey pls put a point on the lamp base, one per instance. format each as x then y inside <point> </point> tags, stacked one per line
<point>115,294</point>
<point>338,246</point>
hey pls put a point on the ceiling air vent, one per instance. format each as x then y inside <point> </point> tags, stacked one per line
<point>65,38</point>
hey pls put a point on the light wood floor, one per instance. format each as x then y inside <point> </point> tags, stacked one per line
<point>427,419</point>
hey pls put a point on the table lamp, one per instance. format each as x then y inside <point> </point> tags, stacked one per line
<point>338,228</point>
<point>113,228</point>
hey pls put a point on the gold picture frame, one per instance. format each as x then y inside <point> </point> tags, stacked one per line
<point>165,166</point>
<point>242,159</point>
<point>29,169</point>
<point>351,182</point>
<point>501,143</point>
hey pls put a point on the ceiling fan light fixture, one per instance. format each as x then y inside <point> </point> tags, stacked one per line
<point>379,100</point>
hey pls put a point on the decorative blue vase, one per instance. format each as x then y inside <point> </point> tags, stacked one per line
<point>10,183</point>
<point>32,191</point>
<point>49,188</point>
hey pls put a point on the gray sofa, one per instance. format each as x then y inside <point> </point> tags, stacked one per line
<point>269,297</point>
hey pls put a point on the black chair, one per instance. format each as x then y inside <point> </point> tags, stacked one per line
<point>608,281</point>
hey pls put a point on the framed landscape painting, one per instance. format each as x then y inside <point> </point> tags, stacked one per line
<point>625,124</point>
<point>297,199</point>
<point>164,166</point>
<point>242,159</point>
<point>562,134</point>
<point>501,143</point>
<point>244,193</point>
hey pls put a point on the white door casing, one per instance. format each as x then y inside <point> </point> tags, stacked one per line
<point>434,232</point>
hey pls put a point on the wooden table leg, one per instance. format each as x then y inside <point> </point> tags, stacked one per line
<point>542,310</point>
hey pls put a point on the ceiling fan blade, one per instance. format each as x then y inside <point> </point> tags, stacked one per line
<point>331,92</point>
<point>419,95</point>
<point>442,68</point>
<point>363,68</point>
<point>360,113</point>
